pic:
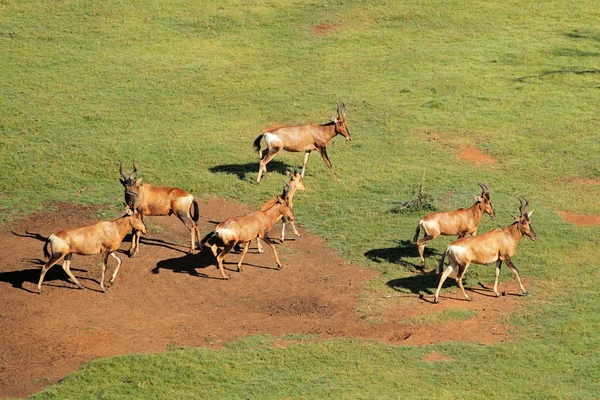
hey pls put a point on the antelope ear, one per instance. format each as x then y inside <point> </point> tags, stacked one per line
<point>128,210</point>
<point>279,199</point>
<point>529,213</point>
<point>138,182</point>
<point>288,173</point>
<point>478,198</point>
<point>122,181</point>
<point>334,119</point>
<point>515,218</point>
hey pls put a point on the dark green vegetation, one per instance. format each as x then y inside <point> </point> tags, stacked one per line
<point>184,88</point>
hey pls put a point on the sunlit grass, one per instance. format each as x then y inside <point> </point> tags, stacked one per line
<point>185,87</point>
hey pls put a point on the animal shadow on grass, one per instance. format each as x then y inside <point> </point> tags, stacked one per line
<point>241,170</point>
<point>399,254</point>
<point>424,283</point>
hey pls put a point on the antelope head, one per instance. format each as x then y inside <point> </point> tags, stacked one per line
<point>131,186</point>
<point>296,179</point>
<point>340,122</point>
<point>136,221</point>
<point>485,201</point>
<point>523,222</point>
<point>286,211</point>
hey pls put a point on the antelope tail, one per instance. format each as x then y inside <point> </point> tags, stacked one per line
<point>417,232</point>
<point>46,252</point>
<point>257,144</point>
<point>441,266</point>
<point>195,211</point>
<point>205,238</point>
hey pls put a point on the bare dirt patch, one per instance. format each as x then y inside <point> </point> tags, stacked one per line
<point>586,181</point>
<point>434,356</point>
<point>168,297</point>
<point>474,155</point>
<point>323,27</point>
<point>580,219</point>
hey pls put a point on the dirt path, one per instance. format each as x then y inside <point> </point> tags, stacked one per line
<point>167,297</point>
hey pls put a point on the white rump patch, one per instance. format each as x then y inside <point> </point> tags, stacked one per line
<point>457,252</point>
<point>272,140</point>
<point>226,235</point>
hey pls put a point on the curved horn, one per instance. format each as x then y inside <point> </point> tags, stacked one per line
<point>339,109</point>
<point>286,191</point>
<point>122,171</point>
<point>295,170</point>
<point>526,204</point>
<point>343,109</point>
<point>135,170</point>
<point>484,187</point>
<point>522,206</point>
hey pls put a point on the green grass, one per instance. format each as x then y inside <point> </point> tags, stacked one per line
<point>185,87</point>
<point>440,317</point>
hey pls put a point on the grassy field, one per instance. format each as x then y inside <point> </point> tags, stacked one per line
<point>185,87</point>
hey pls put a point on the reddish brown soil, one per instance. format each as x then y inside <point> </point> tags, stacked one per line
<point>474,155</point>
<point>586,181</point>
<point>167,297</point>
<point>580,219</point>
<point>323,27</point>
<point>434,356</point>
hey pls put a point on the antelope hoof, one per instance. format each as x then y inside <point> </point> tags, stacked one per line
<point>525,293</point>
<point>498,294</point>
<point>132,253</point>
<point>80,287</point>
<point>435,300</point>
<point>226,278</point>
<point>40,292</point>
<point>279,266</point>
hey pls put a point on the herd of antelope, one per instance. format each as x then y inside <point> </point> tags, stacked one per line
<point>141,200</point>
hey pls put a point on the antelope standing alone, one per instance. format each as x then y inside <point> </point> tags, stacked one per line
<point>103,237</point>
<point>497,245</point>
<point>461,222</point>
<point>245,228</point>
<point>295,183</point>
<point>304,138</point>
<point>160,201</point>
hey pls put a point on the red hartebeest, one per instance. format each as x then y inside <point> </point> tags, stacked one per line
<point>104,237</point>
<point>497,245</point>
<point>160,200</point>
<point>295,183</point>
<point>245,228</point>
<point>304,138</point>
<point>461,222</point>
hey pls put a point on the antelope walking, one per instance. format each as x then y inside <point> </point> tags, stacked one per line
<point>244,229</point>
<point>295,183</point>
<point>160,201</point>
<point>103,237</point>
<point>304,138</point>
<point>461,222</point>
<point>497,245</point>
